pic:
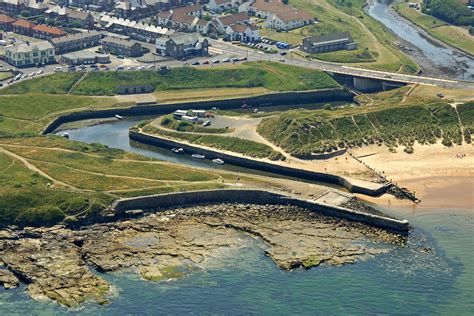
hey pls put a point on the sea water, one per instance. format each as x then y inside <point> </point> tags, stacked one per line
<point>432,274</point>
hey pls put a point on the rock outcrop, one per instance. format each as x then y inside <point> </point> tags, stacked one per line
<point>168,244</point>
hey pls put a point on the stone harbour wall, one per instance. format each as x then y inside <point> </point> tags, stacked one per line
<point>168,200</point>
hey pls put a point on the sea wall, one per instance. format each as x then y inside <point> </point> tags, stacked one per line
<point>271,99</point>
<point>256,164</point>
<point>163,201</point>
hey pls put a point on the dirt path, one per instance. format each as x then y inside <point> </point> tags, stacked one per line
<point>37,170</point>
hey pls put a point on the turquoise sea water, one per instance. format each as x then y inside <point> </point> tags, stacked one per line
<point>433,274</point>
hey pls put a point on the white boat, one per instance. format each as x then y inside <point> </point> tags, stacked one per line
<point>178,150</point>
<point>218,161</point>
<point>65,135</point>
<point>196,156</point>
<point>118,117</point>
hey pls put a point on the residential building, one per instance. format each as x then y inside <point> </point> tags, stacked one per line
<point>223,5</point>
<point>44,31</point>
<point>182,45</point>
<point>6,22</point>
<point>74,42</point>
<point>14,7</point>
<point>328,43</point>
<point>82,18</point>
<point>118,46</point>
<point>23,27</point>
<point>134,29</point>
<point>242,33</point>
<point>30,54</point>
<point>221,23</point>
<point>277,15</point>
<point>183,18</point>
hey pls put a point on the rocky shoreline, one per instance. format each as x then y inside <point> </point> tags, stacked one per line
<point>55,262</point>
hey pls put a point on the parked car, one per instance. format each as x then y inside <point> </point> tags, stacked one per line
<point>119,68</point>
<point>206,62</point>
<point>57,69</point>
<point>226,60</point>
<point>196,63</point>
<point>216,61</point>
<point>236,59</point>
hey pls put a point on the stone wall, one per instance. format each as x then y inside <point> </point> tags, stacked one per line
<point>256,164</point>
<point>271,99</point>
<point>181,199</point>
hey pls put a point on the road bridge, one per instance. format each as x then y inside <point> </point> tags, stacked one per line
<point>335,68</point>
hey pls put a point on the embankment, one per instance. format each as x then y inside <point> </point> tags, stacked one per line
<point>250,163</point>
<point>163,201</point>
<point>271,99</point>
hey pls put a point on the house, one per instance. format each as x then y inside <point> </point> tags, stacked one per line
<point>223,22</point>
<point>118,46</point>
<point>277,15</point>
<point>30,54</point>
<point>203,26</point>
<point>83,19</point>
<point>74,42</point>
<point>12,7</point>
<point>328,43</point>
<point>6,22</point>
<point>23,27</point>
<point>181,18</point>
<point>242,33</point>
<point>223,5</point>
<point>95,5</point>
<point>182,45</point>
<point>36,7</point>
<point>134,29</point>
<point>44,31</point>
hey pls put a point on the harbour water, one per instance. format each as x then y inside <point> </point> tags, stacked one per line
<point>432,274</point>
<point>447,62</point>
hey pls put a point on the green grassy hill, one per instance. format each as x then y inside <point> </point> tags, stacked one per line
<point>391,124</point>
<point>272,76</point>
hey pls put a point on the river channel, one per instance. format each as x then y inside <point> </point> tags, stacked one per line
<point>435,59</point>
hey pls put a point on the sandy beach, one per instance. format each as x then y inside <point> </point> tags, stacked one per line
<point>441,177</point>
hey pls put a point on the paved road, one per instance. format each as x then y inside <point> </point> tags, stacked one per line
<point>221,50</point>
<point>340,69</point>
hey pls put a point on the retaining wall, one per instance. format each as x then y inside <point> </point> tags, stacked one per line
<point>153,202</point>
<point>256,164</point>
<point>271,99</point>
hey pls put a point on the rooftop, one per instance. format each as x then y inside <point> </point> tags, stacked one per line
<point>330,38</point>
<point>29,47</point>
<point>75,37</point>
<point>119,41</point>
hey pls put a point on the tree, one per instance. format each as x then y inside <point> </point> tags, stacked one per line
<point>25,13</point>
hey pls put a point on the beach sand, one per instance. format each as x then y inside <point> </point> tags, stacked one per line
<point>436,173</point>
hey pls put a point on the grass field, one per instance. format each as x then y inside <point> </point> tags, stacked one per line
<point>270,76</point>
<point>453,35</point>
<point>375,42</point>
<point>387,119</point>
<point>258,76</point>
<point>58,83</point>
<point>228,143</point>
<point>28,114</point>
<point>79,179</point>
<point>5,75</point>
<point>169,122</point>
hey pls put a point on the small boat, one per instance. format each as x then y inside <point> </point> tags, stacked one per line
<point>178,150</point>
<point>196,156</point>
<point>218,161</point>
<point>118,117</point>
<point>65,135</point>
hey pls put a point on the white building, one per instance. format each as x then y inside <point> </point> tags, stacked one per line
<point>29,54</point>
<point>242,33</point>
<point>223,5</point>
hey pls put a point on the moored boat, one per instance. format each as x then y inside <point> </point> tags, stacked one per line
<point>118,117</point>
<point>218,161</point>
<point>178,150</point>
<point>196,156</point>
